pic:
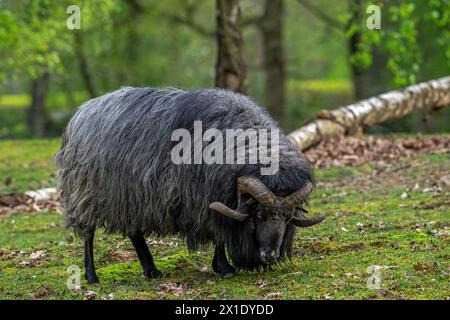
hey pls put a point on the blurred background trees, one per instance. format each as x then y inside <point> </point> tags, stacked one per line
<point>295,56</point>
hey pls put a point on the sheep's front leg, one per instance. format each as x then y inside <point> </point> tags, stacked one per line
<point>220,263</point>
<point>145,257</point>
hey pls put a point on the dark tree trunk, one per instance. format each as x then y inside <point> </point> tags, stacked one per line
<point>82,60</point>
<point>36,116</point>
<point>230,67</point>
<point>274,65</point>
<point>354,42</point>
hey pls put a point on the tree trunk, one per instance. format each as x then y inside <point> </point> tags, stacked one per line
<point>274,66</point>
<point>425,96</point>
<point>353,43</point>
<point>230,67</point>
<point>36,117</point>
<point>84,69</point>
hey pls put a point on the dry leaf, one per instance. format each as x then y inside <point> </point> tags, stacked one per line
<point>37,255</point>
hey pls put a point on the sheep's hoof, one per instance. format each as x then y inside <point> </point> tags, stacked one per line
<point>153,273</point>
<point>227,271</point>
<point>227,275</point>
<point>91,278</point>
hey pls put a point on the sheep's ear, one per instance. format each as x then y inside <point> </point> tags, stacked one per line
<point>228,212</point>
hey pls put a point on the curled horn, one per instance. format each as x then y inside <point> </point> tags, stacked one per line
<point>252,186</point>
<point>303,222</point>
<point>257,189</point>
<point>226,211</point>
<point>297,198</point>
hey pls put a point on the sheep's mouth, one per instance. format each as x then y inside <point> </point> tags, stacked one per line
<point>269,261</point>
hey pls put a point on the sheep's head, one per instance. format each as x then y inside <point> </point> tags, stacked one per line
<point>270,214</point>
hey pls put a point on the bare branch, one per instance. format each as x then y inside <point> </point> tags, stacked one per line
<point>189,22</point>
<point>187,19</point>
<point>318,13</point>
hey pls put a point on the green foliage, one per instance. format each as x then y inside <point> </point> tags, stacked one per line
<point>401,44</point>
<point>13,123</point>
<point>31,38</point>
<point>363,57</point>
<point>146,46</point>
<point>34,35</point>
<point>440,15</point>
<point>368,38</point>
<point>408,29</point>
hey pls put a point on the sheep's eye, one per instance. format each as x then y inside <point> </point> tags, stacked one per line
<point>277,215</point>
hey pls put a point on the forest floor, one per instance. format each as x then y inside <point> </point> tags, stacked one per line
<point>394,215</point>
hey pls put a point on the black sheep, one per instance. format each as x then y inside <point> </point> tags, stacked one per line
<point>116,171</point>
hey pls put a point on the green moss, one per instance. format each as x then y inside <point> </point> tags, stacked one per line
<point>119,271</point>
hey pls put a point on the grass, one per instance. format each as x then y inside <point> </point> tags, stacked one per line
<point>28,162</point>
<point>14,109</point>
<point>334,86</point>
<point>14,100</point>
<point>368,223</point>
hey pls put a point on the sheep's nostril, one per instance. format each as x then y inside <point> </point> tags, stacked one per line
<point>269,256</point>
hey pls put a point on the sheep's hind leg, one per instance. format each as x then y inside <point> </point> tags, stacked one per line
<point>220,263</point>
<point>89,267</point>
<point>145,257</point>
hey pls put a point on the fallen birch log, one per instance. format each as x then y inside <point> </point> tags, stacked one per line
<point>426,96</point>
